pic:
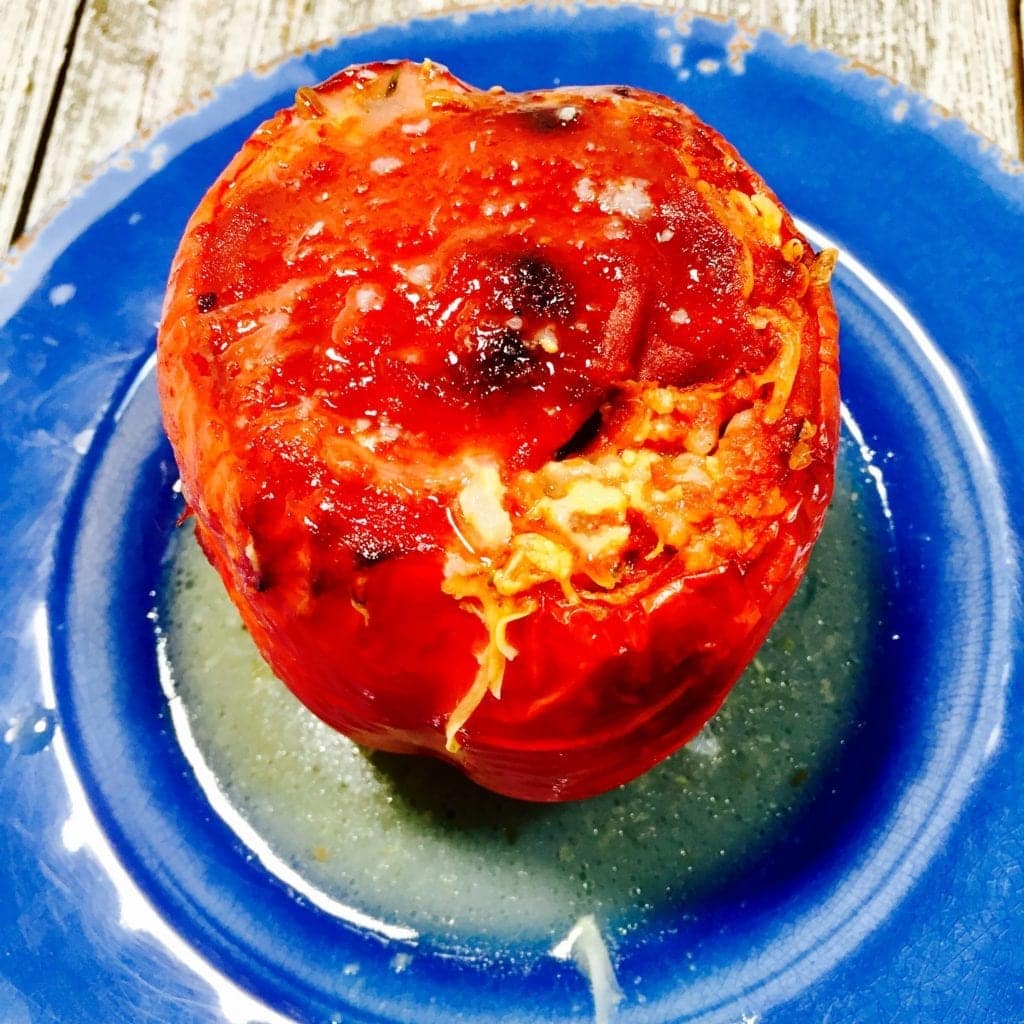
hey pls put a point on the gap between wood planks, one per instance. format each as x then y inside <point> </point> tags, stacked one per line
<point>46,130</point>
<point>1017,42</point>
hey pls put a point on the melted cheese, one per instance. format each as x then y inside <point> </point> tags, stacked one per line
<point>464,581</point>
<point>781,372</point>
<point>590,515</point>
<point>535,559</point>
<point>572,523</point>
<point>485,523</point>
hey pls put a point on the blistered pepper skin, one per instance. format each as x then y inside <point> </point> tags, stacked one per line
<point>508,420</point>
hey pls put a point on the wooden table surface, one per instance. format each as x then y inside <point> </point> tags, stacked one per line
<point>80,78</point>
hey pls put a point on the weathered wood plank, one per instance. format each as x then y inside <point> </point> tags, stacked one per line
<point>960,54</point>
<point>32,40</point>
<point>1017,16</point>
<point>135,64</point>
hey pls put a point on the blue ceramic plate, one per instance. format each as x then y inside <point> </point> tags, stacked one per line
<point>898,898</point>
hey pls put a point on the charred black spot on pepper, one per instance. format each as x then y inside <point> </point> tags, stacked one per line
<point>532,285</point>
<point>501,356</point>
<point>551,119</point>
<point>586,433</point>
<point>392,84</point>
<point>622,90</point>
<point>206,302</point>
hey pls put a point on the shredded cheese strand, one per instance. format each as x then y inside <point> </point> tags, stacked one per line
<point>781,372</point>
<point>476,595</point>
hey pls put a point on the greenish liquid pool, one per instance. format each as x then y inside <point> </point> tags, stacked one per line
<point>409,841</point>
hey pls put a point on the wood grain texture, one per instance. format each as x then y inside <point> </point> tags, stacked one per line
<point>959,52</point>
<point>135,63</point>
<point>32,40</point>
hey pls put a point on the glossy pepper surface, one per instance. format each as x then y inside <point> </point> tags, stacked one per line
<point>508,420</point>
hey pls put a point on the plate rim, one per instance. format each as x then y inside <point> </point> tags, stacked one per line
<point>49,232</point>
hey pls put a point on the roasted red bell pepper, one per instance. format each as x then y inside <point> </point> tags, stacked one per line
<point>508,420</point>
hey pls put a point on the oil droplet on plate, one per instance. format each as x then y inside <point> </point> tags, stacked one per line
<point>31,731</point>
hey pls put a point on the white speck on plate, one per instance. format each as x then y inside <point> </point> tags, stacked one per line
<point>62,294</point>
<point>400,961</point>
<point>81,441</point>
<point>705,744</point>
<point>158,156</point>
